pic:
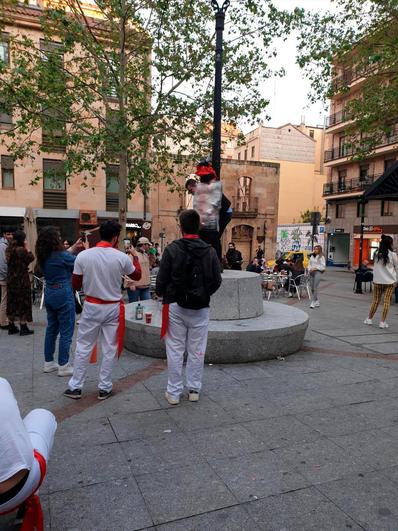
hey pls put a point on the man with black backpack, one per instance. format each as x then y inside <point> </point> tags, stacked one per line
<point>189,274</point>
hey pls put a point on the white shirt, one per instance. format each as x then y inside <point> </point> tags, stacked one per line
<point>385,274</point>
<point>102,269</point>
<point>317,262</point>
<point>16,451</point>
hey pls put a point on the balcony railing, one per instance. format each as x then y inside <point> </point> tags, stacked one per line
<point>336,118</point>
<point>54,199</point>
<point>245,206</point>
<point>347,150</point>
<point>112,202</point>
<point>348,77</point>
<point>350,185</point>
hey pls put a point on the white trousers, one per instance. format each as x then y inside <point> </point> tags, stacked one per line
<point>187,332</point>
<point>41,426</point>
<point>99,322</point>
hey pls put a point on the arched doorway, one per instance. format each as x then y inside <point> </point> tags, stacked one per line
<point>242,236</point>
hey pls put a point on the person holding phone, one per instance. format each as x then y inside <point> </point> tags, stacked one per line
<point>56,265</point>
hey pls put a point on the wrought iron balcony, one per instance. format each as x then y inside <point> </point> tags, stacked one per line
<point>336,118</point>
<point>347,150</point>
<point>350,185</point>
<point>245,206</point>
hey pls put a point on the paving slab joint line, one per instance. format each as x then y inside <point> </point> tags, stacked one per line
<point>352,354</point>
<point>315,486</point>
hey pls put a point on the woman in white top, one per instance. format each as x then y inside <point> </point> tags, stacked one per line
<point>385,275</point>
<point>317,268</point>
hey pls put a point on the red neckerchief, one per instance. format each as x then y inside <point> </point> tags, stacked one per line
<point>191,236</point>
<point>104,244</point>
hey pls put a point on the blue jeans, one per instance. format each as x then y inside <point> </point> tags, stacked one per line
<point>140,294</point>
<point>60,306</point>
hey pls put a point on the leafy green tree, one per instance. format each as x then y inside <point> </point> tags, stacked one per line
<point>134,85</point>
<point>356,40</point>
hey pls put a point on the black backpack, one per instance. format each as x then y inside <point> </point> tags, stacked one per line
<point>192,291</point>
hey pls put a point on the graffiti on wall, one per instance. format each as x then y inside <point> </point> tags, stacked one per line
<point>299,236</point>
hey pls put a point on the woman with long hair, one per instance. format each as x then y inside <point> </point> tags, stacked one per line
<point>57,267</point>
<point>317,268</point>
<point>19,293</point>
<point>385,275</point>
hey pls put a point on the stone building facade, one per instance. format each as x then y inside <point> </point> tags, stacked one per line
<point>348,179</point>
<point>299,151</point>
<point>253,189</point>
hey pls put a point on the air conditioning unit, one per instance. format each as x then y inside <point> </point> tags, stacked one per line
<point>88,217</point>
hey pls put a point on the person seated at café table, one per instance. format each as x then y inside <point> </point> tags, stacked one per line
<point>254,266</point>
<point>296,268</point>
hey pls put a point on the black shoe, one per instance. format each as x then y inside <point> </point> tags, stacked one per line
<point>12,329</point>
<point>103,395</point>
<point>25,331</point>
<point>4,327</point>
<point>75,394</point>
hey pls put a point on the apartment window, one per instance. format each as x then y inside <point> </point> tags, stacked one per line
<point>339,210</point>
<point>51,51</point>
<point>342,174</point>
<point>112,187</point>
<point>253,152</point>
<point>386,208</point>
<point>363,172</point>
<point>5,114</point>
<point>54,175</point>
<point>53,130</point>
<point>238,156</point>
<point>7,172</point>
<point>4,48</point>
<point>245,154</point>
<point>54,184</point>
<point>312,133</point>
<point>388,163</point>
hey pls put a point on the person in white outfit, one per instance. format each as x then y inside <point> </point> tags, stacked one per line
<point>385,276</point>
<point>317,267</point>
<point>25,447</point>
<point>100,271</point>
<point>189,274</point>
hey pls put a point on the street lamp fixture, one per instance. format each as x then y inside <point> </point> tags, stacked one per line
<point>219,14</point>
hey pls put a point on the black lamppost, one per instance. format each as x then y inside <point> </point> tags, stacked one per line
<point>219,12</point>
<point>361,205</point>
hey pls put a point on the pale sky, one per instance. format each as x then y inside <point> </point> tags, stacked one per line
<point>288,95</point>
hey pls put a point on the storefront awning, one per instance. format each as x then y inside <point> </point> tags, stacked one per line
<point>12,212</point>
<point>386,186</point>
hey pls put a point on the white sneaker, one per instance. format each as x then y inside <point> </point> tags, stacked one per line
<point>290,295</point>
<point>316,305</point>
<point>65,370</point>
<point>193,396</point>
<point>368,321</point>
<point>383,324</point>
<point>50,366</point>
<point>171,400</point>
<point>312,305</point>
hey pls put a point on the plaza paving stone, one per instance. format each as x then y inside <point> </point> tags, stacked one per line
<point>304,443</point>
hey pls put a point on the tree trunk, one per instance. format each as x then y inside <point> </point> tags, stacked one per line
<point>122,196</point>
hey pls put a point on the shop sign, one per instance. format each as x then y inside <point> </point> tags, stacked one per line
<point>133,226</point>
<point>146,225</point>
<point>338,231</point>
<point>372,228</point>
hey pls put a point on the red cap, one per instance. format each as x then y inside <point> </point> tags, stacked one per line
<point>205,170</point>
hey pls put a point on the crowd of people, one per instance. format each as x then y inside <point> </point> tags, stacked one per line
<point>187,275</point>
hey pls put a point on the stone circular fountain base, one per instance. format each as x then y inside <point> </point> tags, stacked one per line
<point>279,331</point>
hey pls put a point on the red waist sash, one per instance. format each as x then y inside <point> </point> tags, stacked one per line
<point>33,517</point>
<point>120,329</point>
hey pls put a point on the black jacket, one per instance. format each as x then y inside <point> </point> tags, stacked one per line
<point>171,270</point>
